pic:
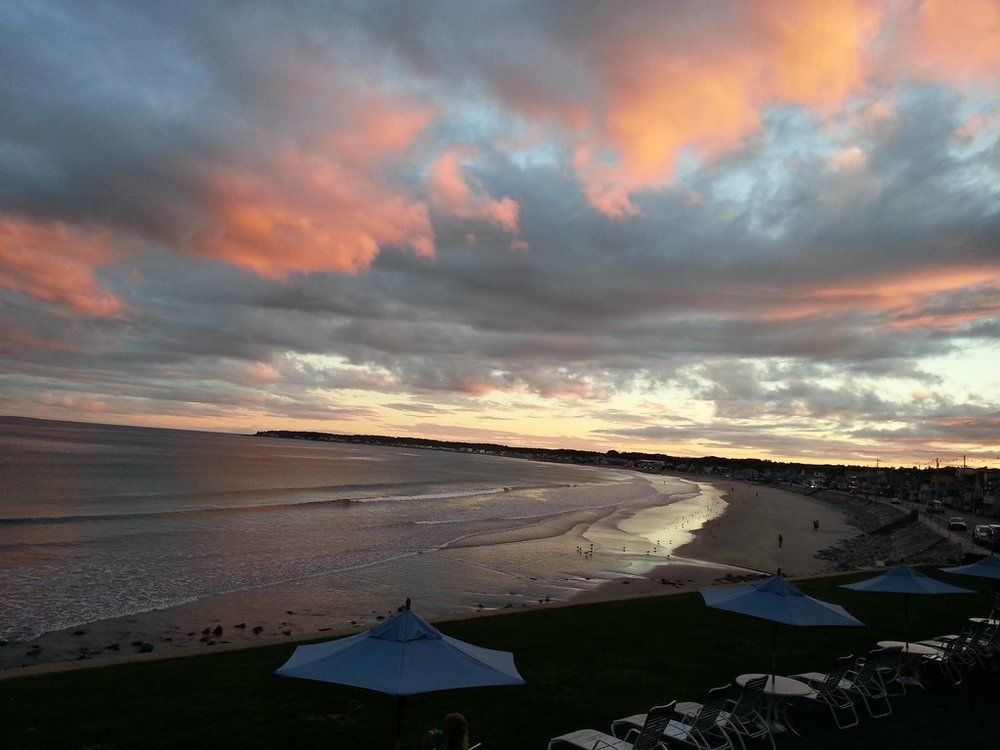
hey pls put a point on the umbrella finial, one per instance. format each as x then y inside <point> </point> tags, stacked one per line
<point>406,604</point>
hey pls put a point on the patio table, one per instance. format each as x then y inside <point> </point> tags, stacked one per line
<point>991,621</point>
<point>779,692</point>
<point>911,657</point>
<point>913,649</point>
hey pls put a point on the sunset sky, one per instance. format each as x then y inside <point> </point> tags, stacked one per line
<point>763,228</point>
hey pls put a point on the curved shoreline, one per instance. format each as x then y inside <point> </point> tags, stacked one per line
<point>703,561</point>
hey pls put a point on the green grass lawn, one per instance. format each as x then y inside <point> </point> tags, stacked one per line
<point>585,666</point>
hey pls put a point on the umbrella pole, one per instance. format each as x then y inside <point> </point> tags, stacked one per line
<point>399,722</point>
<point>774,650</point>
<point>774,662</point>
<point>906,621</point>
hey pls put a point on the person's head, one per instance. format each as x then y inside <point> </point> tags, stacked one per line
<point>456,732</point>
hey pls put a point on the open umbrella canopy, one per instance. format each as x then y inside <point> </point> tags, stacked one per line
<point>903,579</point>
<point>777,600</point>
<point>988,567</point>
<point>402,656</point>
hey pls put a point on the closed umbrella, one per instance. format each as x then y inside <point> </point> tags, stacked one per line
<point>402,656</point>
<point>903,579</point>
<point>777,600</point>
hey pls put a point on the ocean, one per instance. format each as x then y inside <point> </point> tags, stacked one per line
<point>104,521</point>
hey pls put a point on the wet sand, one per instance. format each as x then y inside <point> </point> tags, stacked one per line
<point>747,535</point>
<point>736,545</point>
<point>742,543</point>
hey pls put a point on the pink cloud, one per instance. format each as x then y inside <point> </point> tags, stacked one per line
<point>17,341</point>
<point>906,299</point>
<point>309,213</point>
<point>979,126</point>
<point>850,159</point>
<point>455,193</point>
<point>324,202</point>
<point>262,373</point>
<point>699,78</point>
<point>701,81</point>
<point>54,262</point>
<point>815,53</point>
<point>74,403</point>
<point>955,40</point>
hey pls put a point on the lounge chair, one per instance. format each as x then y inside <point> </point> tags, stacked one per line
<point>648,737</point>
<point>743,717</point>
<point>865,681</point>
<point>958,655</point>
<point>831,692</point>
<point>977,645</point>
<point>702,728</point>
<point>888,662</point>
<point>706,731</point>
<point>986,639</point>
<point>690,709</point>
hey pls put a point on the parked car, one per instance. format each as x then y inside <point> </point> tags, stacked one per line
<point>956,523</point>
<point>981,533</point>
<point>993,542</point>
<point>935,506</point>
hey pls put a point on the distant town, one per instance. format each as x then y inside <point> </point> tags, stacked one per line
<point>976,490</point>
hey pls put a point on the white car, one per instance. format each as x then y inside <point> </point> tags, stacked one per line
<point>956,523</point>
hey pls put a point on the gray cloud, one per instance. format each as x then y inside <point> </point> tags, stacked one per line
<point>756,270</point>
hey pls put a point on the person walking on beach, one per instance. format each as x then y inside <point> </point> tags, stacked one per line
<point>781,540</point>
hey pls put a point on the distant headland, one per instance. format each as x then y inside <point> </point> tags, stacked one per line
<point>967,486</point>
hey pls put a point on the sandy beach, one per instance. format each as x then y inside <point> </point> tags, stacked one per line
<point>742,542</point>
<point>747,535</point>
<point>734,524</point>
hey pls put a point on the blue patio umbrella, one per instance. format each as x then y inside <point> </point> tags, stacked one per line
<point>903,579</point>
<point>777,600</point>
<point>988,567</point>
<point>402,656</point>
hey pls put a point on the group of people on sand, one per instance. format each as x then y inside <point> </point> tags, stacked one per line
<point>781,539</point>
